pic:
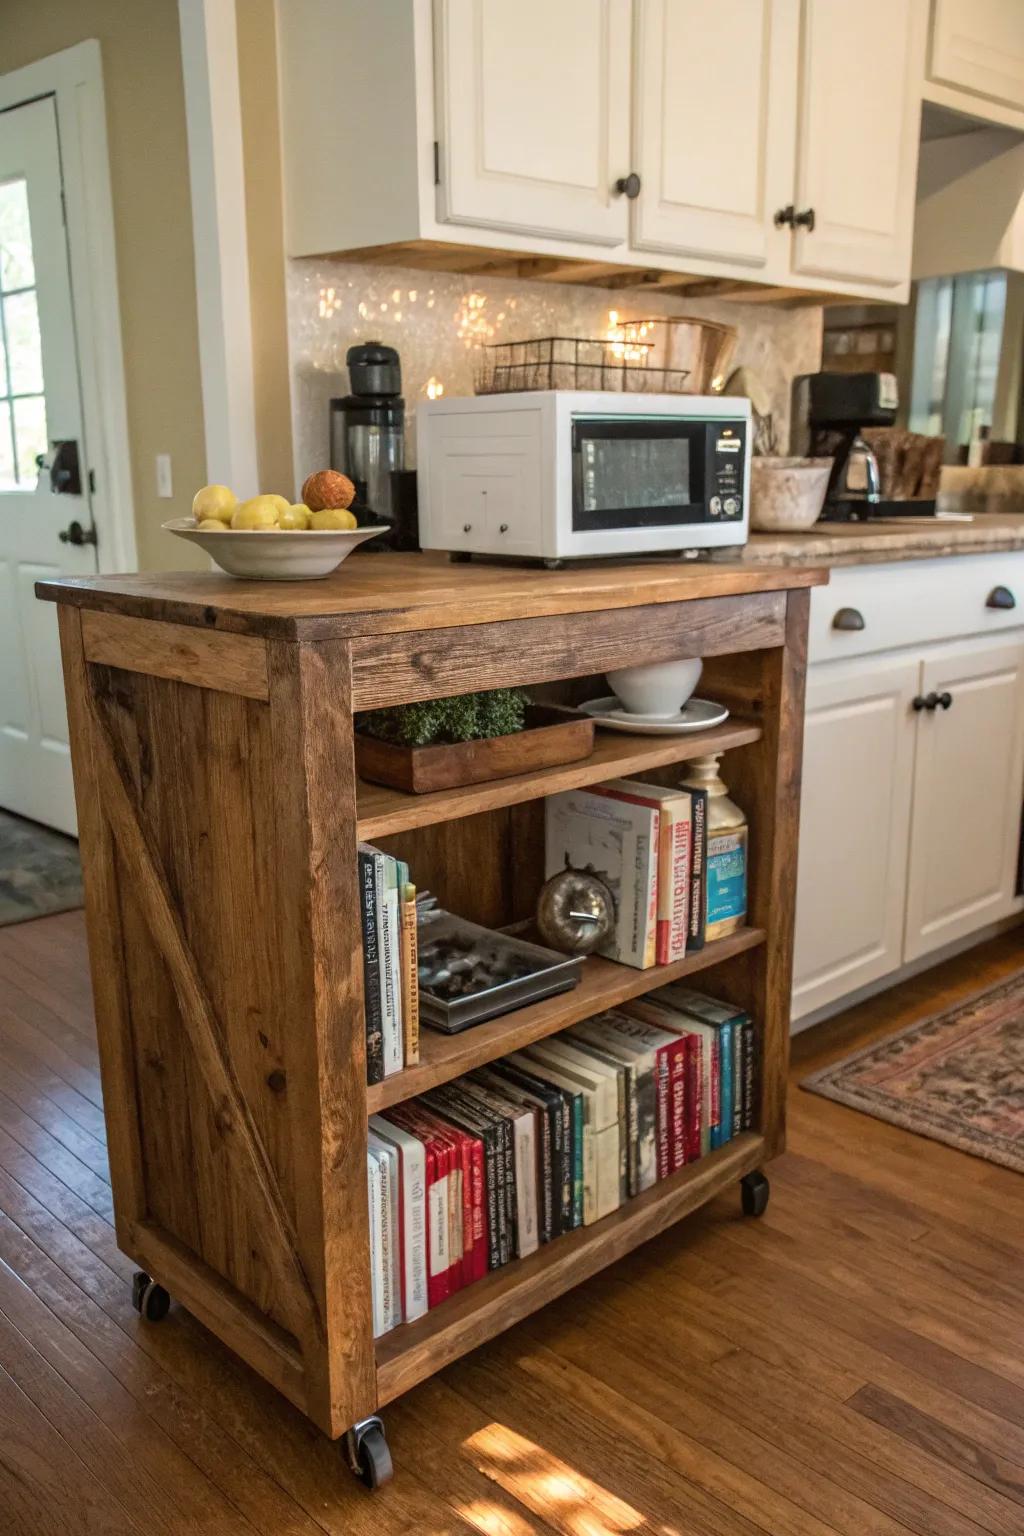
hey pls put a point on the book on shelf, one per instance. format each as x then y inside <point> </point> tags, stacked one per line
<point>390,993</point>
<point>674,808</point>
<point>617,840</point>
<point>697,912</point>
<point>483,1170</point>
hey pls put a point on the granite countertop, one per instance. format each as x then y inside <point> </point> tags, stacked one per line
<point>829,544</point>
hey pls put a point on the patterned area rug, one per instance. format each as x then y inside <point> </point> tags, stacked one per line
<point>957,1077</point>
<point>39,871</point>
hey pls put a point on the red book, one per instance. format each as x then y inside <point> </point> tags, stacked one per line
<point>677,1104</point>
<point>441,1272</point>
<point>479,1210</point>
<point>663,1061</point>
<point>694,1049</point>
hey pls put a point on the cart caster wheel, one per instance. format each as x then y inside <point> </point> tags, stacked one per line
<point>368,1453</point>
<point>150,1300</point>
<point>754,1192</point>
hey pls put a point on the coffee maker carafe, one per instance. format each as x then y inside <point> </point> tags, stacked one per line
<point>368,427</point>
<point>830,411</point>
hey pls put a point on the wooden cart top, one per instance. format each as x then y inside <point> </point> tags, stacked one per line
<point>389,593</point>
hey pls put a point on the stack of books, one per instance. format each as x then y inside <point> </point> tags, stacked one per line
<point>649,846</point>
<point>390,975</point>
<point>484,1170</point>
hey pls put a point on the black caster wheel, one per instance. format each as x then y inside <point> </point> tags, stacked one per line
<point>459,557</point>
<point>754,1192</point>
<point>150,1300</point>
<point>368,1454</point>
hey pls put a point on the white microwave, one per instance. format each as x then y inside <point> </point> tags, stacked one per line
<point>570,474</point>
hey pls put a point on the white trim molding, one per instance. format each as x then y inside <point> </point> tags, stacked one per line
<point>74,78</point>
<point>209,57</point>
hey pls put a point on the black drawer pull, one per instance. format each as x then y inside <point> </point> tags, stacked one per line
<point>849,619</point>
<point>945,700</point>
<point>1000,597</point>
<point>628,186</point>
<point>929,701</point>
<point>804,220</point>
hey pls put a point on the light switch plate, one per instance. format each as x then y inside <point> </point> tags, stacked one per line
<point>164,483</point>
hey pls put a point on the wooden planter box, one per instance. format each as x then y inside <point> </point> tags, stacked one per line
<point>551,737</point>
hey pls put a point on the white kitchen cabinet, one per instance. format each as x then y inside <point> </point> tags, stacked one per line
<point>767,140</point>
<point>854,820</point>
<point>977,46</point>
<point>714,164</point>
<point>857,139</point>
<point>968,779</point>
<point>532,115</point>
<point>913,776</point>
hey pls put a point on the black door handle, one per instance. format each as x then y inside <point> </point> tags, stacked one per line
<point>1000,597</point>
<point>630,185</point>
<point>849,619</point>
<point>945,700</point>
<point>804,220</point>
<point>928,701</point>
<point>74,533</point>
<point>785,216</point>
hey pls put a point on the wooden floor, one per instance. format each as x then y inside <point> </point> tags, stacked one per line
<point>852,1363</point>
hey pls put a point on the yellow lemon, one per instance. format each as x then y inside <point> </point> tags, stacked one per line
<point>216,502</point>
<point>212,525</point>
<point>332,517</point>
<point>296,516</point>
<point>257,512</point>
<point>281,502</point>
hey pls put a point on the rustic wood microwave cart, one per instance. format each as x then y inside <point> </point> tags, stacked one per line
<point>219,811</point>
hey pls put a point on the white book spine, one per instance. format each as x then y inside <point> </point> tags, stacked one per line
<point>391,959</point>
<point>606,1152</point>
<point>413,1213</point>
<point>526,1184</point>
<point>373,1191</point>
<point>390,1303</point>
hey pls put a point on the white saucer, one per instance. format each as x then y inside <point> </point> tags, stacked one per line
<point>696,715</point>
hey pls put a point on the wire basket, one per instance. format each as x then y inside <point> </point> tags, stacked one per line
<point>573,362</point>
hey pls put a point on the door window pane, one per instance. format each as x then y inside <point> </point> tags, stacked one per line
<point>22,402</point>
<point>24,348</point>
<point>29,436</point>
<point>16,266</point>
<point>7,480</point>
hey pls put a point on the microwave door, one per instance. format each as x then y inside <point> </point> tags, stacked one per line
<point>637,473</point>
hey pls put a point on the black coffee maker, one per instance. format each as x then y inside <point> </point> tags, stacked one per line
<point>830,412</point>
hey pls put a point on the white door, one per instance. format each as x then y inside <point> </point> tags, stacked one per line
<point>968,788</point>
<point>714,125</point>
<point>532,115</point>
<point>854,820</point>
<point>859,124</point>
<point>978,45</point>
<point>40,407</point>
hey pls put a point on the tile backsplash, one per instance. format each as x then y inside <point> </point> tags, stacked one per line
<point>437,319</point>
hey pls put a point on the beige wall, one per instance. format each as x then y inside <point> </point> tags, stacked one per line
<point>141,52</point>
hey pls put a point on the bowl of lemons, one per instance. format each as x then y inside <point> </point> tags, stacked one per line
<point>269,538</point>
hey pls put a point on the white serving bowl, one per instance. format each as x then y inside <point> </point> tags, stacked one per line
<point>274,554</point>
<point>657,690</point>
<point>787,494</point>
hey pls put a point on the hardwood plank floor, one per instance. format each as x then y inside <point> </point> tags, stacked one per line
<point>850,1365</point>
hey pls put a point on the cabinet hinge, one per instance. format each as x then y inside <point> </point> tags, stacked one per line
<point>437,164</point>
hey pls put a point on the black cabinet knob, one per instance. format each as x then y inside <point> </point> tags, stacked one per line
<point>503,527</point>
<point>466,527</point>
<point>1000,597</point>
<point>628,186</point>
<point>849,619</point>
<point>945,700</point>
<point>804,220</point>
<point>928,701</point>
<point>74,533</point>
<point>784,216</point>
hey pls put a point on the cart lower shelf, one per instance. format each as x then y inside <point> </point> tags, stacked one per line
<point>414,1351</point>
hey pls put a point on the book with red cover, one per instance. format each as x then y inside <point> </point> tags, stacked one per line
<point>673,881</point>
<point>440,1158</point>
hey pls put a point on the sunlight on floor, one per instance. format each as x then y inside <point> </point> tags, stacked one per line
<point>565,1499</point>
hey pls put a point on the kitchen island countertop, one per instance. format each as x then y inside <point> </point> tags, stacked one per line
<point>831,544</point>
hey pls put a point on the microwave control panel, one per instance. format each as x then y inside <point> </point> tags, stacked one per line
<point>727,443</point>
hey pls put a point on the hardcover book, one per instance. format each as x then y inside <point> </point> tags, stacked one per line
<point>616,840</point>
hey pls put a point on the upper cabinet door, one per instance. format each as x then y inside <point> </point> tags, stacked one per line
<point>978,45</point>
<point>532,115</point>
<point>714,92</point>
<point>860,102</point>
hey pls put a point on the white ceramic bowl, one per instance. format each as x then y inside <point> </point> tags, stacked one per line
<point>787,494</point>
<point>657,690</point>
<point>274,554</point>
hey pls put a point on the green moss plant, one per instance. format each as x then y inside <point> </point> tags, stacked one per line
<point>465,717</point>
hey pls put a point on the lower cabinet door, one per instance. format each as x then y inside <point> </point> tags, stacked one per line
<point>854,822</point>
<point>968,786</point>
